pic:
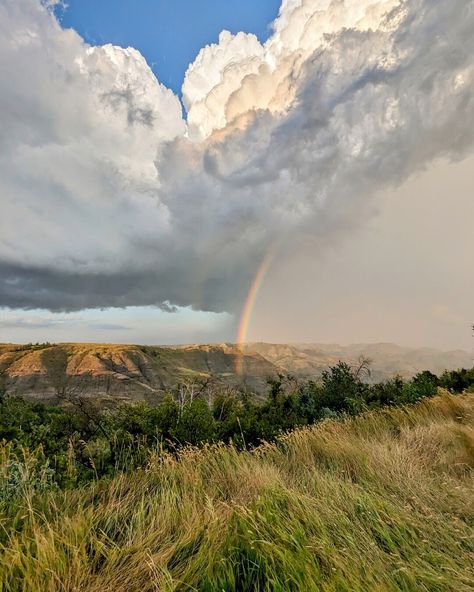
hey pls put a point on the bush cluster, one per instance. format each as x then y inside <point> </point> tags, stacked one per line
<point>80,440</point>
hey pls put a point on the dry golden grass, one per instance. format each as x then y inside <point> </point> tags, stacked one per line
<point>381,502</point>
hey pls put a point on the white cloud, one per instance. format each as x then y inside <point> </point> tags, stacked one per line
<point>110,198</point>
<point>214,76</point>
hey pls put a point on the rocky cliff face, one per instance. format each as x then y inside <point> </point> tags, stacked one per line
<point>48,372</point>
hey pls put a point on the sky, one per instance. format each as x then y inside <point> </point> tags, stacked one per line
<point>193,171</point>
<point>168,34</point>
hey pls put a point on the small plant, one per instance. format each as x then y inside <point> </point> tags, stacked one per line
<point>24,475</point>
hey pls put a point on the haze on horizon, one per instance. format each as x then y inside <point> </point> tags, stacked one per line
<point>341,141</point>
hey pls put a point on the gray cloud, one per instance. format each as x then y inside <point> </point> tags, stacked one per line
<point>34,322</point>
<point>107,200</point>
<point>20,323</point>
<point>108,327</point>
<point>135,114</point>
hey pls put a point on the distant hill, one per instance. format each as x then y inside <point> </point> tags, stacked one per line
<point>133,372</point>
<point>388,359</point>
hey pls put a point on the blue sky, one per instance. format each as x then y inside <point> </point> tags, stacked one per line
<point>135,324</point>
<point>169,33</point>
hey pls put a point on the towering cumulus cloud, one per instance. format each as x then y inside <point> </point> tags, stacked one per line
<point>109,197</point>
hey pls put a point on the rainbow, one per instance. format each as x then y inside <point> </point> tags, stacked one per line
<point>250,303</point>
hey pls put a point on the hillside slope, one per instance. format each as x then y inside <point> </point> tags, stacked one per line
<point>133,372</point>
<point>124,371</point>
<point>381,502</point>
<point>387,359</point>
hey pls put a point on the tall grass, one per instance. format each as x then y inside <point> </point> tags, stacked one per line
<point>380,502</point>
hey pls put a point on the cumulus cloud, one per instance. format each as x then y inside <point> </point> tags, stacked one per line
<point>109,197</point>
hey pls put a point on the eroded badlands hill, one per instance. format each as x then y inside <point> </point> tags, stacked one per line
<point>135,372</point>
<point>387,359</point>
<point>125,371</point>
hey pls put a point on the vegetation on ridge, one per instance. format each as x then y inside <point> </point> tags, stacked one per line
<point>82,440</point>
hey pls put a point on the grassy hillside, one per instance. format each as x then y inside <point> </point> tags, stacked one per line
<point>380,502</point>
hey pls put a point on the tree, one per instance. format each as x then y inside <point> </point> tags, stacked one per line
<point>3,381</point>
<point>362,368</point>
<point>389,392</point>
<point>165,417</point>
<point>457,381</point>
<point>196,423</point>
<point>188,390</point>
<point>426,383</point>
<point>342,390</point>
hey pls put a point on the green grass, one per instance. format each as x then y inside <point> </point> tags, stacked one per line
<point>380,502</point>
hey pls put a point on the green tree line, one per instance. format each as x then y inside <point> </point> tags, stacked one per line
<point>79,440</point>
